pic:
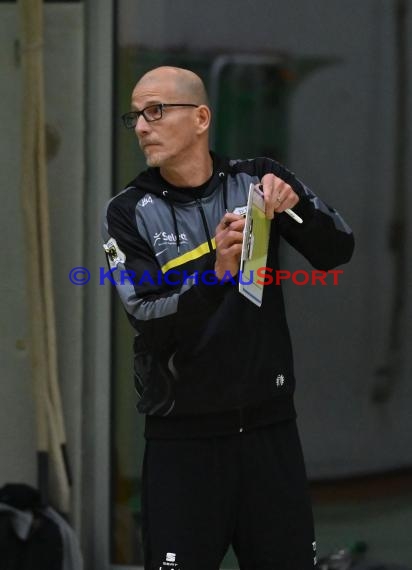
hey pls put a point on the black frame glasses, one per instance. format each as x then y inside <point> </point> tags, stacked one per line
<point>150,113</point>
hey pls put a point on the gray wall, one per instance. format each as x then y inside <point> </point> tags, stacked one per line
<point>78,81</point>
<point>64,68</point>
<point>16,428</point>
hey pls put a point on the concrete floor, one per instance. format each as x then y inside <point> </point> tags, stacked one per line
<point>385,525</point>
<point>376,511</point>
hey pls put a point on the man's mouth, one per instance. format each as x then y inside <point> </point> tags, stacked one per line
<point>146,145</point>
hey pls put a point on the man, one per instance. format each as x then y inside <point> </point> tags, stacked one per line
<point>214,373</point>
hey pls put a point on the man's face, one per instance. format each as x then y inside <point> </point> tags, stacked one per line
<point>167,141</point>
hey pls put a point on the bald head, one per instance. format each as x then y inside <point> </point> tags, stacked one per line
<point>180,139</point>
<point>184,83</point>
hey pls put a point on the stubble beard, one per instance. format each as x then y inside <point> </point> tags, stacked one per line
<point>154,160</point>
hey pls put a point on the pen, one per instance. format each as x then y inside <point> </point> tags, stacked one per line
<point>294,216</point>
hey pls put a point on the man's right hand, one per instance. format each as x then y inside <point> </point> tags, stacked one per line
<point>229,238</point>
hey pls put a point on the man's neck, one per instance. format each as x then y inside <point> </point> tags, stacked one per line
<point>189,173</point>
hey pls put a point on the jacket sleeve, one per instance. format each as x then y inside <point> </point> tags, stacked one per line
<point>163,313</point>
<point>323,238</point>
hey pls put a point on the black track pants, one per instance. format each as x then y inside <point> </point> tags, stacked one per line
<point>248,490</point>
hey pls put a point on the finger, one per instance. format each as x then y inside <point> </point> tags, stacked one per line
<point>270,188</point>
<point>237,225</point>
<point>280,196</point>
<point>226,240</point>
<point>229,217</point>
<point>231,238</point>
<point>228,234</point>
<point>233,251</point>
<point>289,201</point>
<point>227,221</point>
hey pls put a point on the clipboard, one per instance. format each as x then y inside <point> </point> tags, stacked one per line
<point>255,247</point>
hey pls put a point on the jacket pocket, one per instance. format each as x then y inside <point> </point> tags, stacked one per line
<point>153,380</point>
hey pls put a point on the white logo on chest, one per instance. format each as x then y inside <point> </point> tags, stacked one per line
<point>163,238</point>
<point>144,201</point>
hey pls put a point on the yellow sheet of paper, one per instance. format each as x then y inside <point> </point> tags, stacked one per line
<point>255,247</point>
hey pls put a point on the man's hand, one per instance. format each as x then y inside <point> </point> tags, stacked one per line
<point>278,195</point>
<point>229,238</point>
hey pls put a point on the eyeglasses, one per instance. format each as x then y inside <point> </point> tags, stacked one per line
<point>150,113</point>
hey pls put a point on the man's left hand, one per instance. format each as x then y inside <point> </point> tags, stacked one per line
<point>278,195</point>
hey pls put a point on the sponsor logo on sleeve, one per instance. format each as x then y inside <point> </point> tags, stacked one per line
<point>114,253</point>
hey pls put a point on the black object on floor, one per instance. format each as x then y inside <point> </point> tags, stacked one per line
<point>29,537</point>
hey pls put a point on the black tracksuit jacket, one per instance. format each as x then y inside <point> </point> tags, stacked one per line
<point>207,360</point>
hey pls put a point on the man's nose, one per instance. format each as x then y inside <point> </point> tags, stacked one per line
<point>142,126</point>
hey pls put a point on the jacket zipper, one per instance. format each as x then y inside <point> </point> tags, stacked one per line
<point>202,213</point>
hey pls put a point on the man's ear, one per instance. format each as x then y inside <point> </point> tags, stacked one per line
<point>203,118</point>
